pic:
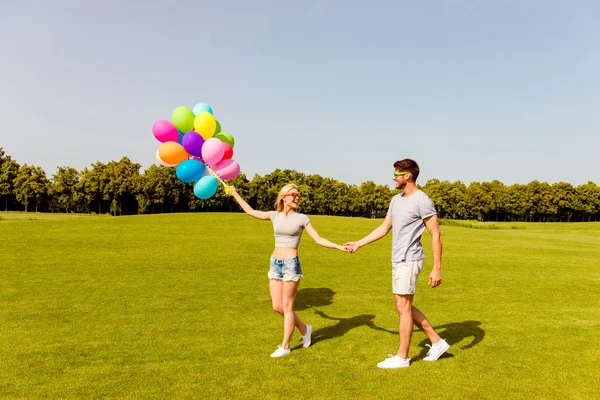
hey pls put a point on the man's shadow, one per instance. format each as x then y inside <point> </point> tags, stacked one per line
<point>454,333</point>
<point>319,297</point>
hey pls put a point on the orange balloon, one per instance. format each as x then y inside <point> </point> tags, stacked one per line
<point>172,153</point>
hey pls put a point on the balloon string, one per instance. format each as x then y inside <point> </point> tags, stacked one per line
<point>227,188</point>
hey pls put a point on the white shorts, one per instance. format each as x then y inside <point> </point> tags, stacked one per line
<point>405,275</point>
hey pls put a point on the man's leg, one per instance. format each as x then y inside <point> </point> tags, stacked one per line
<point>404,308</point>
<point>438,345</point>
<point>423,324</point>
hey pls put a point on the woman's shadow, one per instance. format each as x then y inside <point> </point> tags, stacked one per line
<point>320,297</point>
<point>313,297</point>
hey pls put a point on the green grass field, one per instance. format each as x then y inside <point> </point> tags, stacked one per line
<point>177,306</point>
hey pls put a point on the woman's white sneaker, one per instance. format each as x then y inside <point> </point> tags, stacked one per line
<point>394,362</point>
<point>280,352</point>
<point>306,338</point>
<point>436,350</point>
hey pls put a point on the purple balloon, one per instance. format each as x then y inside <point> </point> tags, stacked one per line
<point>165,131</point>
<point>192,143</point>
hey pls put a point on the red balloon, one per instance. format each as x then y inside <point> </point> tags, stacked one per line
<point>228,155</point>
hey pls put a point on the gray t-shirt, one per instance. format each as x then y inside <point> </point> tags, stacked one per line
<point>288,228</point>
<point>407,215</point>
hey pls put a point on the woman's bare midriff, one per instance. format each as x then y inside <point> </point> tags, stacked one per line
<point>281,253</point>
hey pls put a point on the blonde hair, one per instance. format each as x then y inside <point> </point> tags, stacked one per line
<point>284,190</point>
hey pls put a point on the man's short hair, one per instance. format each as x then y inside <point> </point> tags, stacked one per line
<point>408,165</point>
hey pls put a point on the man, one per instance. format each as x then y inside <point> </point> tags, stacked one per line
<point>410,212</point>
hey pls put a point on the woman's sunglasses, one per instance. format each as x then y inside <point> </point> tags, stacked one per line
<point>294,195</point>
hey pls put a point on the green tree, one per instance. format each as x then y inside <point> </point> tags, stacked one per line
<point>517,205</point>
<point>154,186</point>
<point>9,169</point>
<point>31,184</point>
<point>120,179</point>
<point>478,200</point>
<point>498,198</point>
<point>539,201</point>
<point>141,192</point>
<point>64,188</point>
<point>565,200</point>
<point>368,199</point>
<point>91,185</point>
<point>164,189</point>
<point>589,195</point>
<point>448,197</point>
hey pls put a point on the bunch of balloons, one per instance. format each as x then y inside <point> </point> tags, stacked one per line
<point>192,142</point>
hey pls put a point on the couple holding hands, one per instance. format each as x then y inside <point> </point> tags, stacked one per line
<point>409,214</point>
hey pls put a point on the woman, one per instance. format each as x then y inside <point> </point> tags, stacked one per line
<point>285,271</point>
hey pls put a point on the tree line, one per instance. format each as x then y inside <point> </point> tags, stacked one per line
<point>119,188</point>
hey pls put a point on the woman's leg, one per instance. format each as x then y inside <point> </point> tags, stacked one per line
<point>290,288</point>
<point>276,289</point>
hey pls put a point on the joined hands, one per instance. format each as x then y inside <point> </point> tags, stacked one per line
<point>350,247</point>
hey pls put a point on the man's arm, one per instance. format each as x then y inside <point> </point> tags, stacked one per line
<point>376,234</point>
<point>433,226</point>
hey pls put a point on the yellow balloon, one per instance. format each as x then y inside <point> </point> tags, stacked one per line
<point>205,124</point>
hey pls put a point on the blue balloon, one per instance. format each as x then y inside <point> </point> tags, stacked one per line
<point>198,108</point>
<point>190,171</point>
<point>181,135</point>
<point>206,187</point>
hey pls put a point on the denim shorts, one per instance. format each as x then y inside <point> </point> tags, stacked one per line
<point>405,275</point>
<point>286,270</point>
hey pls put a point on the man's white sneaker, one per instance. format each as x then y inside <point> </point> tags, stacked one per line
<point>306,338</point>
<point>394,362</point>
<point>280,352</point>
<point>436,350</point>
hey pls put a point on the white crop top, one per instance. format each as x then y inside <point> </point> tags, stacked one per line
<point>288,228</point>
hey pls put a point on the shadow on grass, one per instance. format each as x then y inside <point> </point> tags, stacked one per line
<point>317,297</point>
<point>343,326</point>
<point>321,297</point>
<point>455,333</point>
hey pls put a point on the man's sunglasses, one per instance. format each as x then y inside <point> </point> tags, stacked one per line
<point>397,174</point>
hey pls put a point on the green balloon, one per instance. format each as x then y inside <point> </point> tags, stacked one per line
<point>225,137</point>
<point>183,119</point>
<point>218,128</point>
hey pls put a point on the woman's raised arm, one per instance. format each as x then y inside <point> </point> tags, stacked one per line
<point>246,207</point>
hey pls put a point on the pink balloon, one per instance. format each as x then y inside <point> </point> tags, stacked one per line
<point>212,151</point>
<point>227,169</point>
<point>165,131</point>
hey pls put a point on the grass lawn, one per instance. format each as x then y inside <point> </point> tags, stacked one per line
<point>177,306</point>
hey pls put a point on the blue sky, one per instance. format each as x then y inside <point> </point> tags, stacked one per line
<point>472,90</point>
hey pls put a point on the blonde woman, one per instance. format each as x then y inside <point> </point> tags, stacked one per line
<point>285,271</point>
